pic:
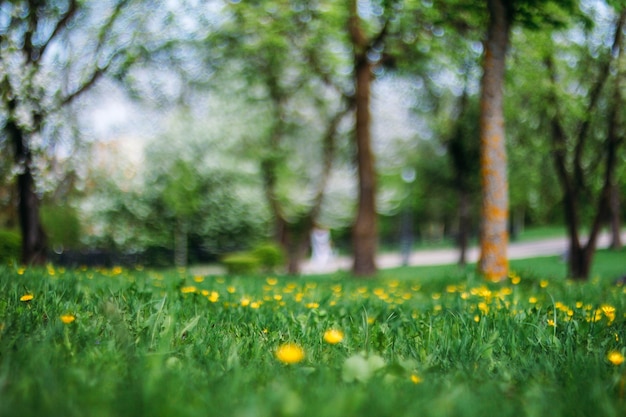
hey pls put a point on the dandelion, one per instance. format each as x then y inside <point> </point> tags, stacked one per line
<point>67,318</point>
<point>543,283</point>
<point>271,281</point>
<point>188,289</point>
<point>609,312</point>
<point>416,379</point>
<point>312,305</point>
<point>26,297</point>
<point>213,296</point>
<point>290,353</point>
<point>245,302</point>
<point>483,307</point>
<point>532,300</point>
<point>615,357</point>
<point>333,336</point>
<point>198,278</point>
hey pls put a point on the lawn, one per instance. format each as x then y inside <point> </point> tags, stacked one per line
<point>413,342</point>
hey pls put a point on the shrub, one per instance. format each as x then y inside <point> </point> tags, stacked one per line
<point>269,255</point>
<point>10,246</point>
<point>241,263</point>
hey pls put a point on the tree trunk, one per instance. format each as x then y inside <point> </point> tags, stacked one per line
<point>181,244</point>
<point>616,226</point>
<point>34,241</point>
<point>464,225</point>
<point>493,262</point>
<point>295,242</point>
<point>365,229</point>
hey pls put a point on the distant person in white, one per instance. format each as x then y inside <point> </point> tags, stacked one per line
<point>321,248</point>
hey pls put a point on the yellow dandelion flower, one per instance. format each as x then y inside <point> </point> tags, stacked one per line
<point>67,318</point>
<point>205,293</point>
<point>245,302</point>
<point>550,322</point>
<point>543,283</point>
<point>188,289</point>
<point>312,305</point>
<point>271,281</point>
<point>609,312</point>
<point>290,353</point>
<point>483,307</point>
<point>477,318</point>
<point>333,336</point>
<point>231,289</point>
<point>26,297</point>
<point>615,357</point>
<point>213,296</point>
<point>21,270</point>
<point>198,278</point>
<point>255,304</point>
<point>532,300</point>
<point>416,379</point>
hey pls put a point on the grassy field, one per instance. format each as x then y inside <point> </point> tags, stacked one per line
<point>414,342</point>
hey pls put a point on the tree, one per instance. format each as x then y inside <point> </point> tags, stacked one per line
<point>280,54</point>
<point>493,263</point>
<point>571,148</point>
<point>502,15</point>
<point>51,53</point>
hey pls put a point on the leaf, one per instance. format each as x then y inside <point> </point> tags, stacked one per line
<point>189,326</point>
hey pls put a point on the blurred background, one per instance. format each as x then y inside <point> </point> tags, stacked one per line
<point>175,132</point>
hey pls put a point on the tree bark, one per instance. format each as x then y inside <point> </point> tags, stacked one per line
<point>464,225</point>
<point>616,226</point>
<point>493,263</point>
<point>34,241</point>
<point>365,228</point>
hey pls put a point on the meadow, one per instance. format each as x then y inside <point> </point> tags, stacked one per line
<point>414,341</point>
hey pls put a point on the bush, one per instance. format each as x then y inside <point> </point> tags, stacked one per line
<point>10,246</point>
<point>241,263</point>
<point>269,255</point>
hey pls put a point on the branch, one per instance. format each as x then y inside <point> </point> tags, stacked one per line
<point>99,70</point>
<point>594,96</point>
<point>71,11</point>
<point>329,147</point>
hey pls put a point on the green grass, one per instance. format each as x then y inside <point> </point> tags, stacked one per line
<point>417,341</point>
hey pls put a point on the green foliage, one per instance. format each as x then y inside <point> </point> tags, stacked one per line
<point>241,263</point>
<point>10,246</point>
<point>270,256</point>
<point>266,256</point>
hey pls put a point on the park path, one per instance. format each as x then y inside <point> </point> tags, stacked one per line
<point>516,250</point>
